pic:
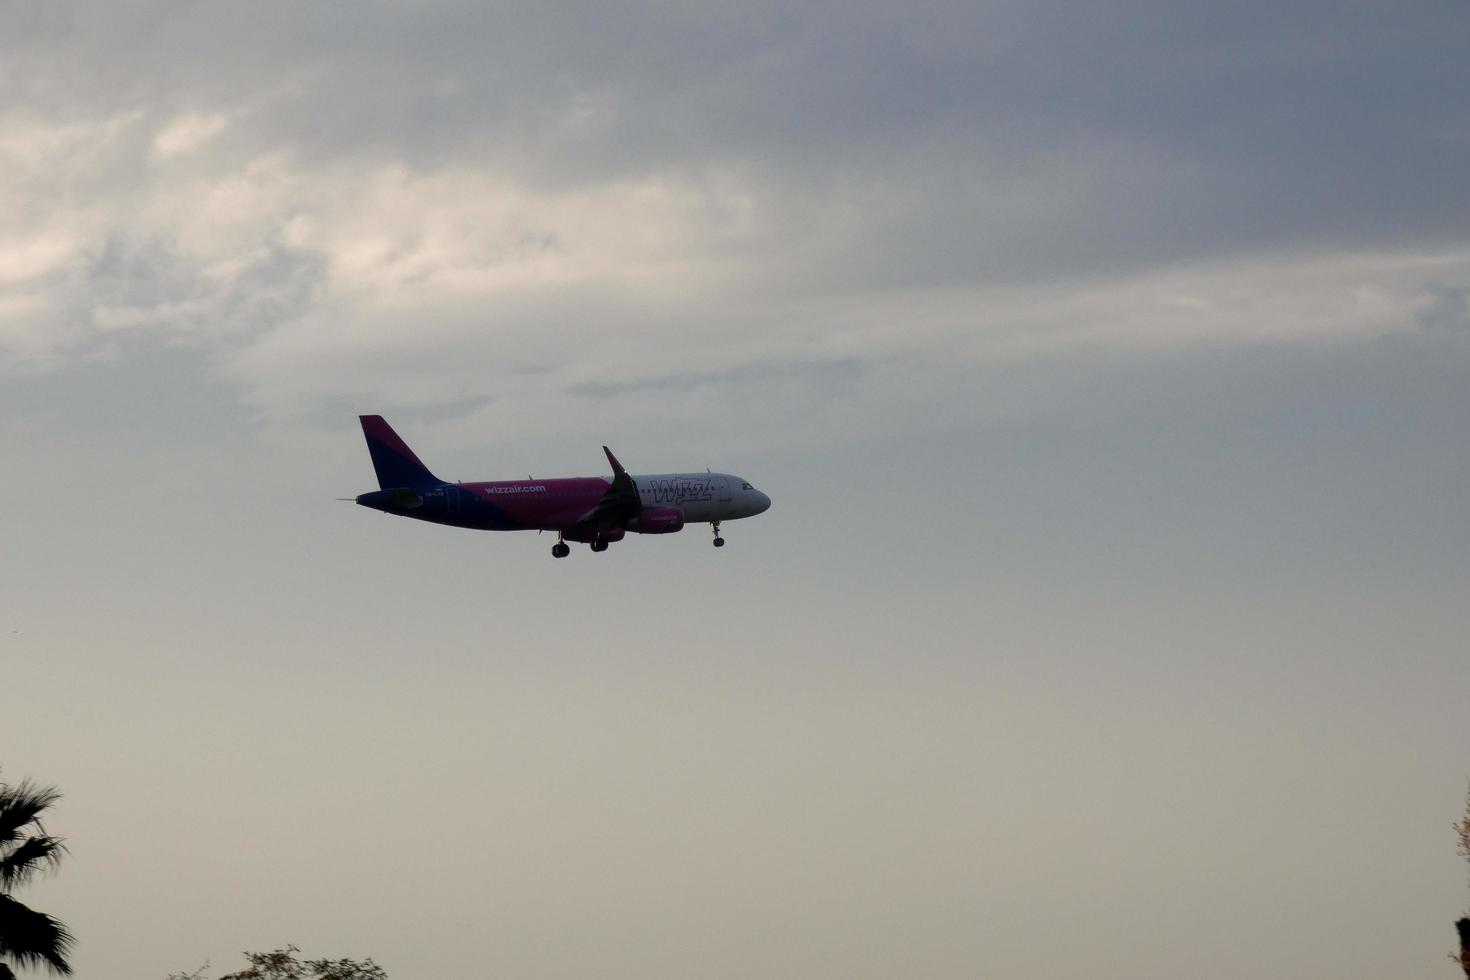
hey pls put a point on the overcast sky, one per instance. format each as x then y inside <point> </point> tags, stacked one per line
<point>1108,365</point>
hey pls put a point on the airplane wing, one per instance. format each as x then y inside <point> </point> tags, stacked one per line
<point>621,502</point>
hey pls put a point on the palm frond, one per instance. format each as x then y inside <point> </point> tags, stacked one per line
<point>22,805</point>
<point>32,855</point>
<point>30,938</point>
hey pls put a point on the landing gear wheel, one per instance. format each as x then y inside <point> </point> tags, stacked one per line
<point>719,542</point>
<point>599,546</point>
<point>560,550</point>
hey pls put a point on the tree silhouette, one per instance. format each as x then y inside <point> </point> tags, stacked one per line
<point>28,938</point>
<point>282,964</point>
<point>1462,835</point>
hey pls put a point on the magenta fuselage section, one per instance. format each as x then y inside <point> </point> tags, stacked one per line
<point>529,504</point>
<point>514,505</point>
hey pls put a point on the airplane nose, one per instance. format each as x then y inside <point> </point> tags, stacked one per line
<point>762,502</point>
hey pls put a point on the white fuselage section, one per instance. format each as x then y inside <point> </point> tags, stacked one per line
<point>701,496</point>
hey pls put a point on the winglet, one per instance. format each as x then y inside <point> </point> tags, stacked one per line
<point>617,467</point>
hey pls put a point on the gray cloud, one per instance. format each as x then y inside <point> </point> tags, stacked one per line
<point>415,204</point>
<point>1449,308</point>
<point>845,370</point>
<point>1160,130</point>
<point>149,287</point>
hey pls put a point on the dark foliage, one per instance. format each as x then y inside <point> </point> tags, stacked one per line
<point>28,938</point>
<point>283,964</point>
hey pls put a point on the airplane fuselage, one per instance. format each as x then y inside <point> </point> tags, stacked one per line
<point>590,509</point>
<point>558,504</point>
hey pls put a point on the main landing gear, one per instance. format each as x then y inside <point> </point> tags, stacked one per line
<point>719,541</point>
<point>561,549</point>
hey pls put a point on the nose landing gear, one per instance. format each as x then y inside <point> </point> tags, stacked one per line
<point>719,541</point>
<point>561,549</point>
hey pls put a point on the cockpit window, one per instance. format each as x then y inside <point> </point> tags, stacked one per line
<point>746,486</point>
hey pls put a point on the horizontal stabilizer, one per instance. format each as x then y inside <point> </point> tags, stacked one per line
<point>406,499</point>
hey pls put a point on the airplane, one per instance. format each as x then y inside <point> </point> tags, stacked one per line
<point>593,510</point>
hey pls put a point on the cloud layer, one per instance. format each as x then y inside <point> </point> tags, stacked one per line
<point>448,204</point>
